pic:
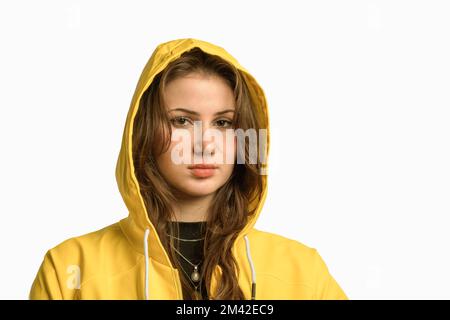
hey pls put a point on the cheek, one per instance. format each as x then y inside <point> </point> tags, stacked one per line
<point>177,145</point>
<point>164,161</point>
<point>229,150</point>
<point>229,156</point>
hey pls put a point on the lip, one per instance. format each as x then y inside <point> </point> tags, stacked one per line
<point>203,170</point>
<point>203,166</point>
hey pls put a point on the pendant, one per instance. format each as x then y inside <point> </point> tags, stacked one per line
<point>195,275</point>
<point>197,295</point>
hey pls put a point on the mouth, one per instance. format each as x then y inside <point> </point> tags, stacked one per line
<point>203,170</point>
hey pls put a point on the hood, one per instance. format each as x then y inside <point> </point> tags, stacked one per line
<point>137,224</point>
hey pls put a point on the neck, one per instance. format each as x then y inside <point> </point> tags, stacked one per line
<point>192,209</point>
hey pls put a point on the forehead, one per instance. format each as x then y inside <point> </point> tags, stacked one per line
<point>204,94</point>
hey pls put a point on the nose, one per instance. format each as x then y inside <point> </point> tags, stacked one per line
<point>201,143</point>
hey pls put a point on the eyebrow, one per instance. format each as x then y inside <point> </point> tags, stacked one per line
<point>196,113</point>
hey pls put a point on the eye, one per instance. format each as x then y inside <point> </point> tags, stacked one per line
<point>179,121</point>
<point>223,123</point>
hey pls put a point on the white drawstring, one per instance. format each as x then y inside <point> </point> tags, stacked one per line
<point>147,231</point>
<point>249,257</point>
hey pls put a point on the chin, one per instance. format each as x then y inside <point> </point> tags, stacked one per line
<point>198,188</point>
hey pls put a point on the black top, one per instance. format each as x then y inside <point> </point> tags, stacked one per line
<point>191,250</point>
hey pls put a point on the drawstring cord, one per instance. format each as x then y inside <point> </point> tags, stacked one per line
<point>147,231</point>
<point>249,257</point>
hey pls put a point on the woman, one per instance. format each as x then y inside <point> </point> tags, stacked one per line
<point>189,233</point>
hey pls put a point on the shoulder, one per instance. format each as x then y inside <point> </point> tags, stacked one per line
<point>288,257</point>
<point>65,265</point>
<point>293,262</point>
<point>90,253</point>
<point>282,244</point>
<point>87,244</point>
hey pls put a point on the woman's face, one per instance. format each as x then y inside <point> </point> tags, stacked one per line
<point>208,99</point>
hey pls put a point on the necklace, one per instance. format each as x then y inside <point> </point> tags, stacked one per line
<point>196,293</point>
<point>195,275</point>
<point>187,240</point>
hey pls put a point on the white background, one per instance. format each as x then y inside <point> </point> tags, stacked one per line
<point>359,103</point>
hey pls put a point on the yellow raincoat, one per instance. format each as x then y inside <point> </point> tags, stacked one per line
<point>126,259</point>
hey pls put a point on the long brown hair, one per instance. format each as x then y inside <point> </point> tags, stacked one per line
<point>229,210</point>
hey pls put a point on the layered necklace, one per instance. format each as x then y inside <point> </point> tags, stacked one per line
<point>194,277</point>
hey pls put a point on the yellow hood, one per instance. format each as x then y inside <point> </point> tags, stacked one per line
<point>126,260</point>
<point>137,222</point>
<point>129,188</point>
